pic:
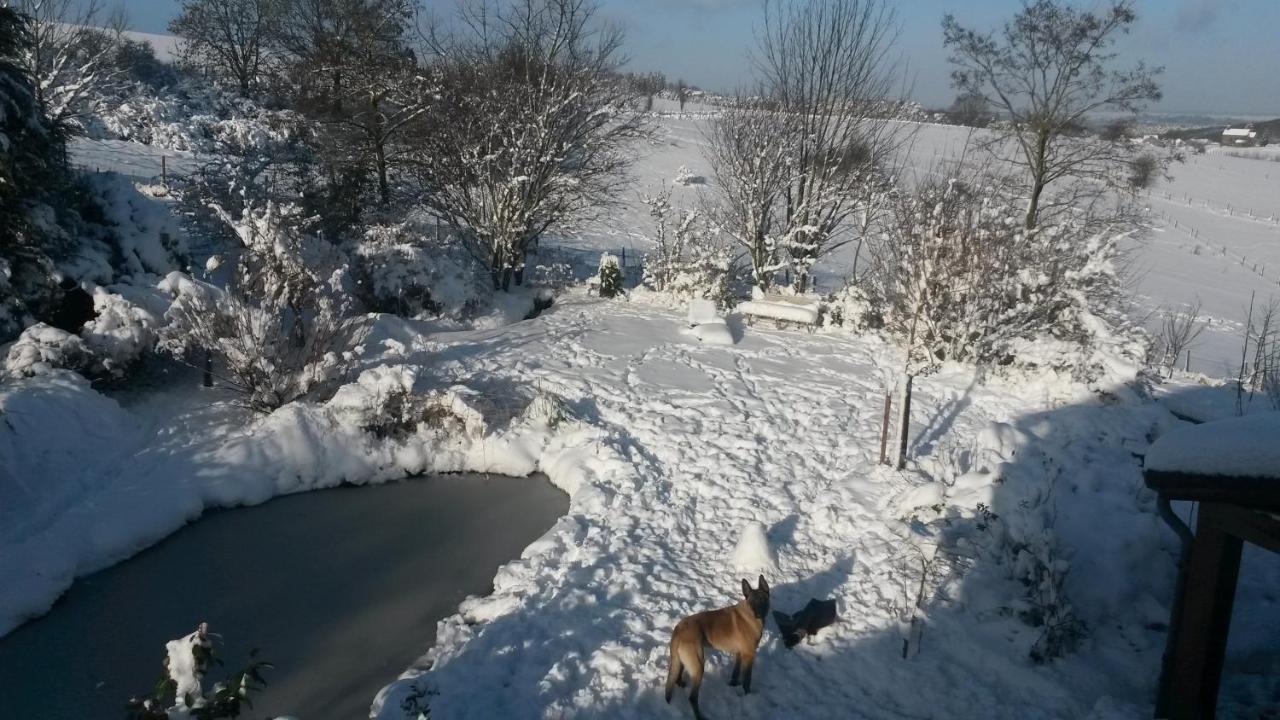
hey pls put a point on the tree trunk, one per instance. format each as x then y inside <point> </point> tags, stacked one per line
<point>380,156</point>
<point>1033,209</point>
<point>1038,172</point>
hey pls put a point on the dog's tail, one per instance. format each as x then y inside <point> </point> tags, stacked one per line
<point>673,672</point>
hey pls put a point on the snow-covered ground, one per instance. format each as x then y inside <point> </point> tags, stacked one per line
<point>678,446</point>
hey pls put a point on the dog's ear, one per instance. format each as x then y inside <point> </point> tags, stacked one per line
<point>746,588</point>
<point>763,585</point>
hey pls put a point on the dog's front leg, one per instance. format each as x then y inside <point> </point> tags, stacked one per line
<point>737,669</point>
<point>748,661</point>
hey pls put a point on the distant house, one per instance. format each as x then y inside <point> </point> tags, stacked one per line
<point>1245,136</point>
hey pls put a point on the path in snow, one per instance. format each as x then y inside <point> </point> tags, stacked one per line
<point>340,589</point>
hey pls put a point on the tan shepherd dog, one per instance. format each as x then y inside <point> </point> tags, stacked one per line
<point>736,629</point>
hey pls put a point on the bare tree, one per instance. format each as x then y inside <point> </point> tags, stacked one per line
<point>1179,330</point>
<point>228,38</point>
<point>1046,71</point>
<point>70,56</point>
<point>322,41</point>
<point>1261,372</point>
<point>827,66</point>
<point>533,127</point>
<point>750,148</point>
<point>682,93</point>
<point>970,109</point>
<point>387,93</point>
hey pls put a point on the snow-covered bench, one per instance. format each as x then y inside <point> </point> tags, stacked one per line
<point>783,309</point>
<point>706,324</point>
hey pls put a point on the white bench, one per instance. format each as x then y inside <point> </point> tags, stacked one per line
<point>783,309</point>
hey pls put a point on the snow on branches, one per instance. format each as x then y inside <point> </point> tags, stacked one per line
<point>690,259</point>
<point>957,276</point>
<point>283,330</point>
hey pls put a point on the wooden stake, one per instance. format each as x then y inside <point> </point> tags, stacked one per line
<point>884,428</point>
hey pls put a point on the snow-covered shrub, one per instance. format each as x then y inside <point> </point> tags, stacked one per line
<point>546,410</point>
<point>957,276</point>
<point>119,333</point>
<point>116,232</point>
<point>382,401</point>
<point>12,305</point>
<point>610,276</point>
<point>42,349</point>
<point>455,412</point>
<point>409,270</point>
<point>394,271</point>
<point>686,177</point>
<point>689,260</point>
<point>283,330</point>
<point>181,695</point>
<point>554,275</point>
<point>853,309</point>
<point>145,233</point>
<point>197,116</point>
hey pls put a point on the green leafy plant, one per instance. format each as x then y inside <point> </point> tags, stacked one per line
<point>178,694</point>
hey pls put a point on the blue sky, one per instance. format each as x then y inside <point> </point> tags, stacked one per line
<point>1221,56</point>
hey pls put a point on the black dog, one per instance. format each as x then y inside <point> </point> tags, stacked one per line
<point>806,623</point>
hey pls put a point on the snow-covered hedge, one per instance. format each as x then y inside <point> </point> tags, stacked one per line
<point>41,349</point>
<point>120,333</point>
<point>195,116</point>
<point>408,270</point>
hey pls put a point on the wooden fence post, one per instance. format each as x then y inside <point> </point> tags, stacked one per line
<point>884,428</point>
<point>904,424</point>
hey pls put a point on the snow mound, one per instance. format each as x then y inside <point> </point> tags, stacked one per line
<point>716,333</point>
<point>753,553</point>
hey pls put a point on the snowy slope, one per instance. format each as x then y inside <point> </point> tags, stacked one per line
<point>165,46</point>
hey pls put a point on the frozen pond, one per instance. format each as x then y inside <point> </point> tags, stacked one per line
<point>340,589</point>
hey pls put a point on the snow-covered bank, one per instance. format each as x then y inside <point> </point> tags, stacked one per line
<point>85,483</point>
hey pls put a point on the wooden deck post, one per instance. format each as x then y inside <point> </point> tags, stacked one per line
<point>1199,641</point>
